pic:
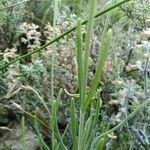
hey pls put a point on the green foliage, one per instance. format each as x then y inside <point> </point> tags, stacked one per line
<point>3,14</point>
<point>74,5</point>
<point>40,11</point>
<point>34,71</point>
<point>105,104</point>
<point>116,15</point>
<point>137,11</point>
<point>9,19</point>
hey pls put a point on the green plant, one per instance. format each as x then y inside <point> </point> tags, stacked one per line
<point>84,126</point>
<point>63,35</point>
<point>42,11</point>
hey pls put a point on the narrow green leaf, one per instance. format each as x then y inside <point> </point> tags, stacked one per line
<point>57,138</point>
<point>100,144</point>
<point>88,128</point>
<point>91,132</point>
<point>100,65</point>
<point>73,124</point>
<point>81,131</point>
<point>42,142</point>
<point>88,43</point>
<point>79,60</point>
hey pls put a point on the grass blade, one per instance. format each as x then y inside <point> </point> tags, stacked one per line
<point>79,61</point>
<point>100,65</point>
<point>88,43</point>
<point>42,143</point>
<point>73,124</point>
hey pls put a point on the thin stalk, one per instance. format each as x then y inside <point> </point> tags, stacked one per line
<point>97,110</point>
<point>52,78</point>
<point>88,129</point>
<point>73,124</point>
<point>29,114</point>
<point>88,43</point>
<point>55,123</point>
<point>53,57</point>
<point>40,121</point>
<point>81,131</point>
<point>53,119</point>
<point>80,62</point>
<point>42,142</point>
<point>2,67</point>
<point>94,123</point>
<point>52,124</point>
<point>100,65</point>
<point>81,91</point>
<point>23,131</point>
<point>60,139</point>
<point>27,87</point>
<point>72,95</point>
<point>145,77</point>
